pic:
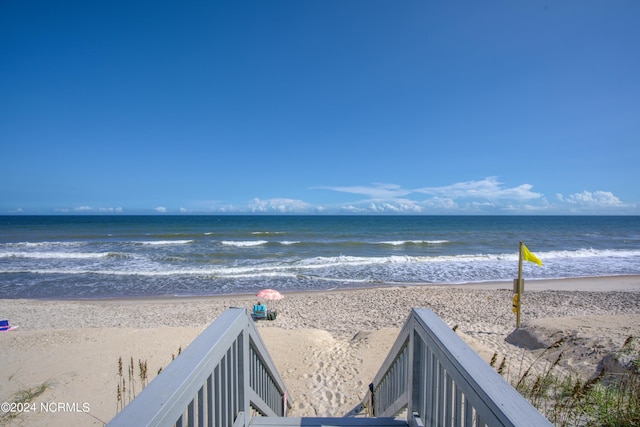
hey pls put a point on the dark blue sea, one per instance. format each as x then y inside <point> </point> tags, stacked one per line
<point>131,256</point>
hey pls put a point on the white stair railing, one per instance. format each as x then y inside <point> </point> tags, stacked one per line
<point>219,378</point>
<point>441,381</point>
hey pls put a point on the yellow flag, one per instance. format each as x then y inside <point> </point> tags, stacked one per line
<point>528,256</point>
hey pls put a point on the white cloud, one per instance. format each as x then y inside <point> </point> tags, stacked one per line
<point>441,203</point>
<point>354,209</point>
<point>161,209</point>
<point>489,188</point>
<point>593,202</point>
<point>396,206</point>
<point>596,198</point>
<point>376,191</point>
<point>378,206</point>
<point>279,205</point>
<point>90,209</point>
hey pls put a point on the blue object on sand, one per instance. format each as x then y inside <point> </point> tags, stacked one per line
<point>5,326</point>
<point>259,311</point>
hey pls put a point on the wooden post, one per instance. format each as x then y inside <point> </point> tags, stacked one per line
<point>517,300</point>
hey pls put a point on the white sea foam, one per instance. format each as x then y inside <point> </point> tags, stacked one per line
<point>165,242</point>
<point>587,253</point>
<point>413,242</point>
<point>321,262</point>
<point>230,273</point>
<point>244,244</point>
<point>56,255</point>
<point>42,244</point>
<point>259,274</point>
<point>287,243</point>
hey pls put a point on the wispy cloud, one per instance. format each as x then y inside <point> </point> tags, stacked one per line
<point>90,209</point>
<point>489,189</point>
<point>485,196</point>
<point>378,191</point>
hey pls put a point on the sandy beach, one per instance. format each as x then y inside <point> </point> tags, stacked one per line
<point>326,345</point>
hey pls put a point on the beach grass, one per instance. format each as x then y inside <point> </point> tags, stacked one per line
<point>23,397</point>
<point>126,387</point>
<point>606,399</point>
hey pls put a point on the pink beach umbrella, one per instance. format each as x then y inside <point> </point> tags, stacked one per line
<point>270,294</point>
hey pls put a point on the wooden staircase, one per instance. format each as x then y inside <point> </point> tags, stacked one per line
<point>226,376</point>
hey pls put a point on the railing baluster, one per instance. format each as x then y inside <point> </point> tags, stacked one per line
<point>440,395</point>
<point>431,379</point>
<point>468,413</point>
<point>190,414</point>
<point>448,400</point>
<point>423,376</point>
<point>224,393</point>
<point>457,412</point>
<point>228,384</point>
<point>236,378</point>
<point>210,413</point>
<point>217,398</point>
<point>200,402</point>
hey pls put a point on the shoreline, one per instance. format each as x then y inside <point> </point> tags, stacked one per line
<point>327,345</point>
<point>595,283</point>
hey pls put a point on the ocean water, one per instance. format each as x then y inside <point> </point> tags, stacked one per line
<point>129,256</point>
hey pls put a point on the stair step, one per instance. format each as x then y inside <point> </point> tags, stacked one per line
<point>326,422</point>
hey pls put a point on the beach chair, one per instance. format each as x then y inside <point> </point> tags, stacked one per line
<point>259,311</point>
<point>5,326</point>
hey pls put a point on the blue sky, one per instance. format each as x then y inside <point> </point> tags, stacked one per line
<point>347,107</point>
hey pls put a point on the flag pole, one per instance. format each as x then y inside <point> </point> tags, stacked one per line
<point>518,285</point>
<point>518,297</point>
